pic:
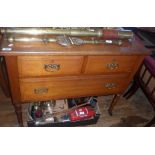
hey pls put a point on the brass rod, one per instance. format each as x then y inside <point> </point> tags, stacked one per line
<point>63,40</point>
<point>116,42</point>
<point>24,39</point>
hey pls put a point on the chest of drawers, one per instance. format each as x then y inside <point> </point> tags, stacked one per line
<point>39,72</point>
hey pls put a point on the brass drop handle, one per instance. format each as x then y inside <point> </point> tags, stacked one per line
<point>110,85</point>
<point>52,67</point>
<point>112,65</point>
<point>41,90</point>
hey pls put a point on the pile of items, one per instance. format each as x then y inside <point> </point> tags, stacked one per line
<point>70,110</point>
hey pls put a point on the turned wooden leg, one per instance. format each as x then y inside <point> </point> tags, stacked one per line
<point>113,103</point>
<point>18,110</point>
<point>3,79</point>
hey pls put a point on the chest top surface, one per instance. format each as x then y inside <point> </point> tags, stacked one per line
<point>135,47</point>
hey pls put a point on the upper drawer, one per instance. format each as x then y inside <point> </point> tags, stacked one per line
<point>30,66</point>
<point>109,64</point>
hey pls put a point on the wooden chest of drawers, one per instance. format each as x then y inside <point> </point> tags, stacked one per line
<point>43,72</point>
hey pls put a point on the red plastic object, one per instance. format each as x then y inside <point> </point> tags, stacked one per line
<point>82,113</point>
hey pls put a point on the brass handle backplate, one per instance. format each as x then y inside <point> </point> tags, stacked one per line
<point>112,65</point>
<point>41,90</point>
<point>52,67</point>
<point>110,85</point>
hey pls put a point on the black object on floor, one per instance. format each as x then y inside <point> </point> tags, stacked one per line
<point>67,124</point>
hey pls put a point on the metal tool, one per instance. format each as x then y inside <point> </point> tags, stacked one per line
<point>78,41</point>
<point>64,40</point>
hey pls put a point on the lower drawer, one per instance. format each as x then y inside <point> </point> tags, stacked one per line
<point>37,89</point>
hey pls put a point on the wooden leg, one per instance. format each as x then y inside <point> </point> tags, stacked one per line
<point>113,103</point>
<point>150,123</point>
<point>132,90</point>
<point>18,110</point>
<point>3,78</point>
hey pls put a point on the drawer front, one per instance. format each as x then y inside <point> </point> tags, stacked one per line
<point>109,64</point>
<point>57,88</point>
<point>33,66</point>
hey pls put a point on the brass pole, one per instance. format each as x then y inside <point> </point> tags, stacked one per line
<point>51,31</point>
<point>110,34</point>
